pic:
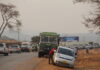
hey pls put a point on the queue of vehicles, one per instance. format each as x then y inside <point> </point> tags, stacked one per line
<point>8,49</point>
<point>63,55</point>
<point>84,46</point>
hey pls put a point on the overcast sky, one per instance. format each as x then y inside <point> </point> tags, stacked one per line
<point>61,16</point>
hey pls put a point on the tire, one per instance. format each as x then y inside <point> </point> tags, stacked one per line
<point>39,55</point>
<point>11,52</point>
<point>54,63</point>
<point>72,67</point>
<point>27,50</point>
<point>19,52</point>
<point>6,54</point>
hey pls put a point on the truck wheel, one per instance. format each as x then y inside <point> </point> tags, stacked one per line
<point>6,54</point>
<point>42,54</point>
<point>39,55</point>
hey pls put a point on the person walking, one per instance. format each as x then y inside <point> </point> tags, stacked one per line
<point>51,53</point>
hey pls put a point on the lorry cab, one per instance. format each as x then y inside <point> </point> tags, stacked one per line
<point>48,40</point>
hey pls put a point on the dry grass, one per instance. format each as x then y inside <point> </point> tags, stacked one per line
<point>89,61</point>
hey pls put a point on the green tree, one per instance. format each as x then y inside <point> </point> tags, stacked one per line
<point>94,21</point>
<point>35,39</point>
<point>9,17</point>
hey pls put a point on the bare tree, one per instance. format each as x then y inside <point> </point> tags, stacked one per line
<point>94,21</point>
<point>9,15</point>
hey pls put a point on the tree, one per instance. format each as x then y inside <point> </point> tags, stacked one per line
<point>9,15</point>
<point>94,21</point>
<point>36,39</point>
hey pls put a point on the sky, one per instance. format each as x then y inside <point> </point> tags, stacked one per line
<point>61,16</point>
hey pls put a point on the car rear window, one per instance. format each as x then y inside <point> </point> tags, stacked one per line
<point>14,46</point>
<point>66,52</point>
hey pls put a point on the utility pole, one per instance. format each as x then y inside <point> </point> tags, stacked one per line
<point>18,32</point>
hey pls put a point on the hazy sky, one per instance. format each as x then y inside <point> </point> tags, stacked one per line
<point>60,16</point>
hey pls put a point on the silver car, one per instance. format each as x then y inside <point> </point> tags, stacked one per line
<point>64,56</point>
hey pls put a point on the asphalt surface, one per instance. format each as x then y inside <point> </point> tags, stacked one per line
<point>14,61</point>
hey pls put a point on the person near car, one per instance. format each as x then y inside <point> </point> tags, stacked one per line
<point>87,48</point>
<point>51,53</point>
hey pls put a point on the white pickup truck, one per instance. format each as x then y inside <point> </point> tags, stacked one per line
<point>3,49</point>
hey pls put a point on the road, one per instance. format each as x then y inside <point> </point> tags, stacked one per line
<point>30,61</point>
<point>21,61</point>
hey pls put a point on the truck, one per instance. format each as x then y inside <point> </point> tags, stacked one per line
<point>48,40</point>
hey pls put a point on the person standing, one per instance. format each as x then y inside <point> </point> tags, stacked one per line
<point>87,48</point>
<point>51,53</point>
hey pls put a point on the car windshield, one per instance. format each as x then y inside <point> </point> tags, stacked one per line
<point>1,45</point>
<point>65,52</point>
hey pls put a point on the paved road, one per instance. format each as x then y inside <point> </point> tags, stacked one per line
<point>14,61</point>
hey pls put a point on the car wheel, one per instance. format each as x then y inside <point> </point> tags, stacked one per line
<point>19,52</point>
<point>72,67</point>
<point>54,63</point>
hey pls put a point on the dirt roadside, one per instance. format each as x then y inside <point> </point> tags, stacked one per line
<point>45,66</point>
<point>89,61</point>
<point>84,61</point>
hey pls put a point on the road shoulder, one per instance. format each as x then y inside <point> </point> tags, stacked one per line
<point>45,66</point>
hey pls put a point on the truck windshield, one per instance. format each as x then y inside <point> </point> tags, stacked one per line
<point>65,52</point>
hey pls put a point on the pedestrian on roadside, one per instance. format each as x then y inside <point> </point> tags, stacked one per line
<point>51,53</point>
<point>87,50</point>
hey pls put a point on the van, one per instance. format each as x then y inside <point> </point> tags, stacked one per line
<point>3,49</point>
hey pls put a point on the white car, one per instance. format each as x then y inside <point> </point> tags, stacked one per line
<point>3,49</point>
<point>14,48</point>
<point>64,56</point>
